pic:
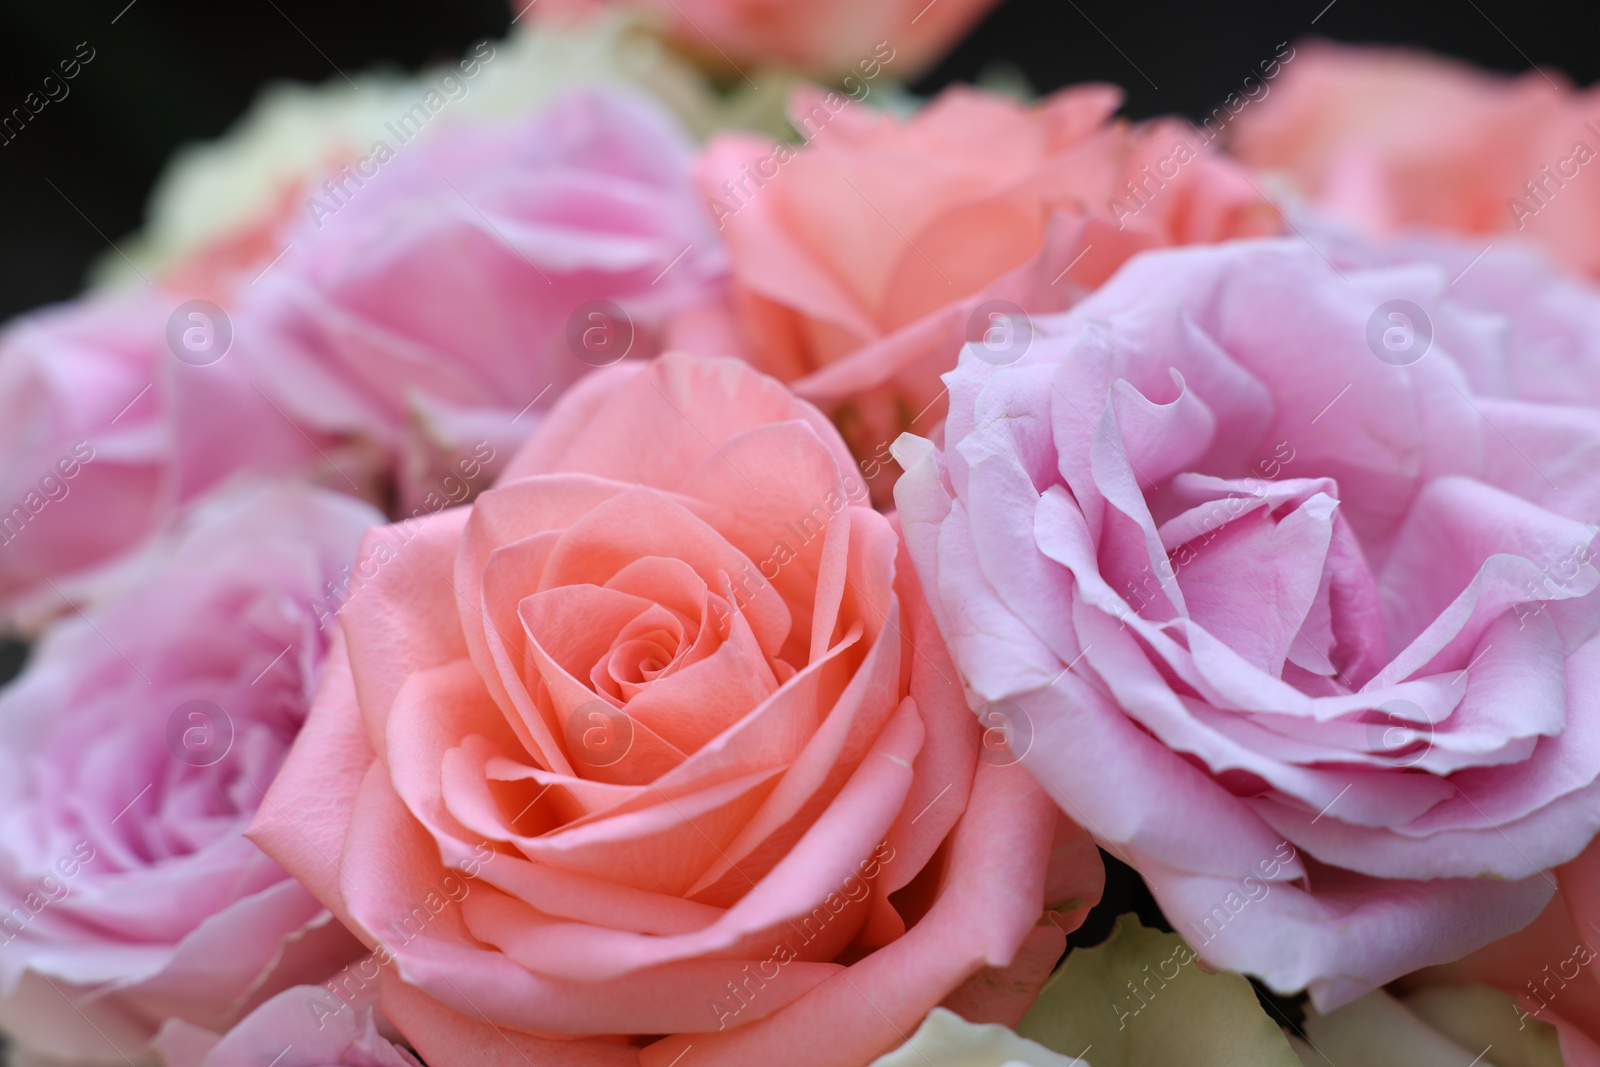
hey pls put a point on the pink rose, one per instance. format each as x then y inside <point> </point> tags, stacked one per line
<point>296,1028</point>
<point>863,260</point>
<point>1283,608</point>
<point>133,751</point>
<point>829,39</point>
<point>445,292</point>
<point>1396,140</point>
<point>657,738</point>
<point>103,432</point>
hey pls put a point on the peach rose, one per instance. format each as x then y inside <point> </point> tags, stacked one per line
<point>865,259</point>
<point>1396,139</point>
<point>657,738</point>
<point>826,38</point>
<point>1550,967</point>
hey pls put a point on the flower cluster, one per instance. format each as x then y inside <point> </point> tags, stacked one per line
<point>556,560</point>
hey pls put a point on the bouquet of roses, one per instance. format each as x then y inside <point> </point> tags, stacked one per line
<point>651,545</point>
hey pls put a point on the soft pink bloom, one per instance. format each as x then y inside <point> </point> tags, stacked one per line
<point>1397,139</point>
<point>103,433</point>
<point>134,749</point>
<point>1302,632</point>
<point>827,38</point>
<point>431,299</point>
<point>642,742</point>
<point>301,1027</point>
<point>861,259</point>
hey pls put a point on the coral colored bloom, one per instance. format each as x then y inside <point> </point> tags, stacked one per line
<point>828,38</point>
<point>863,260</point>
<point>656,738</point>
<point>1291,597</point>
<point>1398,140</point>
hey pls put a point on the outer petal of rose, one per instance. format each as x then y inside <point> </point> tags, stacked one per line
<point>984,911</point>
<point>823,860</point>
<point>1577,1048</point>
<point>442,1035</point>
<point>219,971</point>
<point>764,250</point>
<point>695,404</point>
<point>303,1026</point>
<point>391,868</point>
<point>943,769</point>
<point>922,350</point>
<point>1531,965</point>
<point>1355,934</point>
<point>181,1044</point>
<point>406,617</point>
<point>433,709</point>
<point>1086,751</point>
<point>318,782</point>
<point>1004,994</point>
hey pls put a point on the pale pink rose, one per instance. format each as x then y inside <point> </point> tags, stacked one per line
<point>828,38</point>
<point>1286,608</point>
<point>441,293</point>
<point>1396,139</point>
<point>654,749</point>
<point>103,432</point>
<point>863,260</point>
<point>301,1027</point>
<point>134,749</point>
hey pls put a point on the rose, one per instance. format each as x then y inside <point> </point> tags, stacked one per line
<point>293,1029</point>
<point>1400,140</point>
<point>447,289</point>
<point>864,259</point>
<point>1300,631</point>
<point>666,699</point>
<point>833,39</point>
<point>133,750</point>
<point>102,433</point>
<point>1548,968</point>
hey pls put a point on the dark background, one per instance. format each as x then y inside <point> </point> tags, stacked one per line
<point>170,71</point>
